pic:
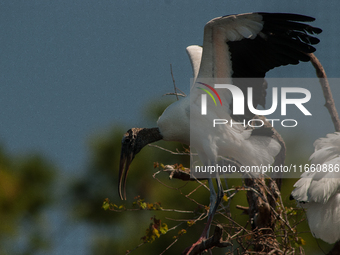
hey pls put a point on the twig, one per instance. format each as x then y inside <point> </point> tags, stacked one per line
<point>243,208</point>
<point>230,219</point>
<point>167,248</point>
<point>129,251</point>
<point>173,81</point>
<point>320,72</point>
<point>154,176</point>
<point>175,94</point>
<point>174,227</point>
<point>172,152</point>
<point>177,173</point>
<point>215,240</point>
<point>236,234</point>
<point>202,184</point>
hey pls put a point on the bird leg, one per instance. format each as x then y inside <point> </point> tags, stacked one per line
<point>215,200</point>
<point>220,192</point>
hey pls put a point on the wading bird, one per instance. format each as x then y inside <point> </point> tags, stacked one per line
<point>235,46</point>
<point>318,191</point>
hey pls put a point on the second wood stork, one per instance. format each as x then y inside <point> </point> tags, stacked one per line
<point>318,191</point>
<point>235,46</point>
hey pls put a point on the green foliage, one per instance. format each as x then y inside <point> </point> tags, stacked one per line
<point>155,229</point>
<point>25,191</point>
<point>138,204</point>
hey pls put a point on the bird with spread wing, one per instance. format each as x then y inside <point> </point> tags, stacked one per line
<point>234,46</point>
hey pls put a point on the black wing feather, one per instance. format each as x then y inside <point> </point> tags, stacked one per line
<point>282,41</point>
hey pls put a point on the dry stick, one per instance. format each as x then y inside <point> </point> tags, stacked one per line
<point>320,72</point>
<point>172,152</point>
<point>175,88</point>
<point>173,81</point>
<point>214,241</point>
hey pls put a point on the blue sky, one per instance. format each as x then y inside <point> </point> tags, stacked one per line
<point>70,69</point>
<point>73,68</point>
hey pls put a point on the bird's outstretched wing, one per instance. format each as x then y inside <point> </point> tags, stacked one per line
<point>249,45</point>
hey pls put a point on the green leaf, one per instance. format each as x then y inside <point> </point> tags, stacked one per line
<point>156,233</point>
<point>143,205</point>
<point>164,228</point>
<point>106,205</point>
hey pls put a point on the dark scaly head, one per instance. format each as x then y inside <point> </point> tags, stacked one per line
<point>132,143</point>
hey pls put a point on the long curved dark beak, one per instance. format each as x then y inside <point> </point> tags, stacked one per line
<point>126,158</point>
<point>133,141</point>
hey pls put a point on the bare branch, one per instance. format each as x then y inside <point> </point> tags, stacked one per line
<point>245,209</point>
<point>175,94</point>
<point>178,173</point>
<point>172,152</point>
<point>214,241</point>
<point>173,81</point>
<point>320,72</point>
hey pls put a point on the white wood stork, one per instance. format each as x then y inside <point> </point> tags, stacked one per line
<point>319,192</point>
<point>235,46</point>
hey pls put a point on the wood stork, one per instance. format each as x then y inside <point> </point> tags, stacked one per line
<point>319,192</point>
<point>235,46</point>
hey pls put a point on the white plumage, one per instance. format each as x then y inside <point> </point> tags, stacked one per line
<point>319,192</point>
<point>235,142</point>
<point>235,46</point>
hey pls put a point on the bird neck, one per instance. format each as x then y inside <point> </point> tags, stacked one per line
<point>150,135</point>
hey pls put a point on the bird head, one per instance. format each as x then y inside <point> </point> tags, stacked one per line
<point>132,143</point>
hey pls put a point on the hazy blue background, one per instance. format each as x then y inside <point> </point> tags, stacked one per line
<point>72,68</point>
